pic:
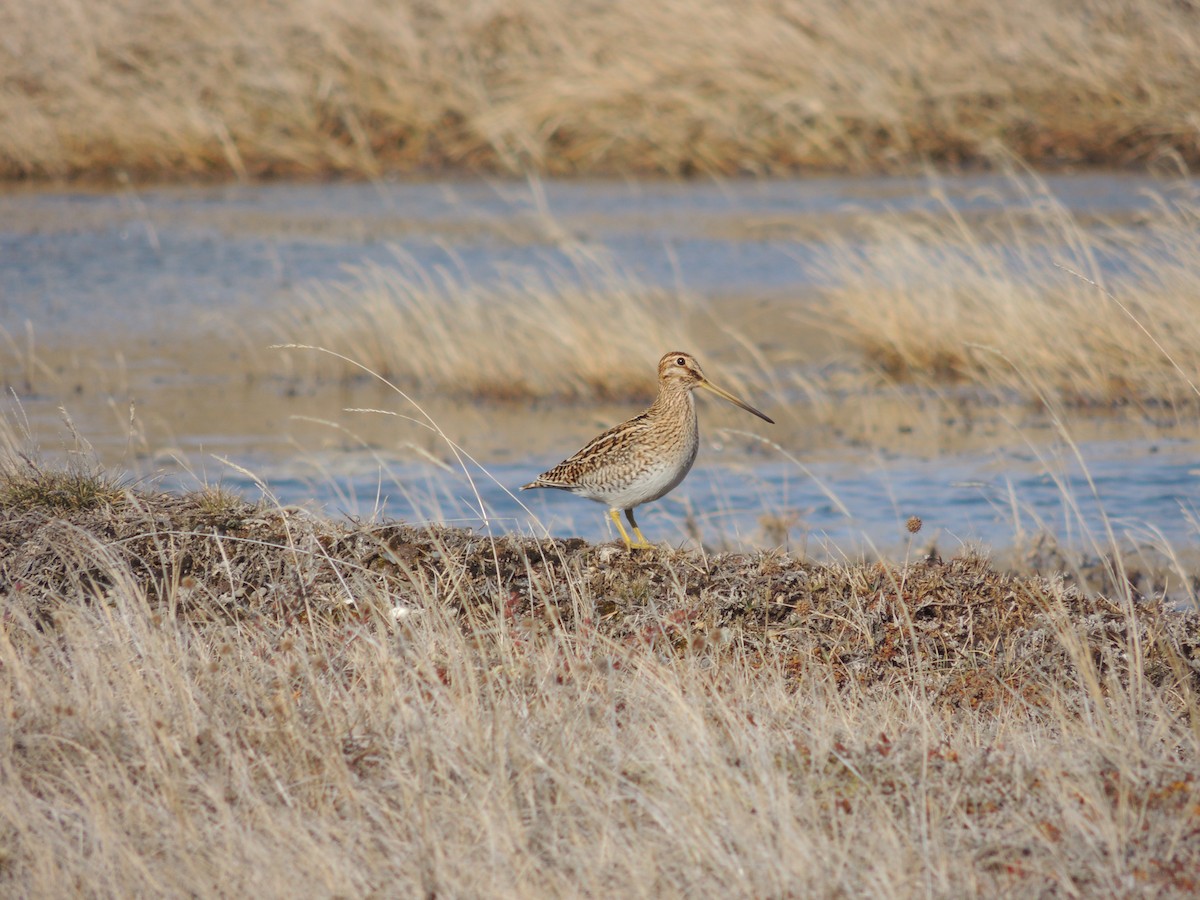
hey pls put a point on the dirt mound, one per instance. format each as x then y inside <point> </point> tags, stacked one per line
<point>971,633</point>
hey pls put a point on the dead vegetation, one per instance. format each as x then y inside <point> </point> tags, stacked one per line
<point>168,89</point>
<point>31,487</point>
<point>1030,303</point>
<point>1003,295</point>
<point>202,692</point>
<point>528,332</point>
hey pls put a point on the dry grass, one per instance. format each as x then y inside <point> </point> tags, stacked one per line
<point>218,88</point>
<point>271,704</point>
<point>1023,299</point>
<point>27,485</point>
<point>528,332</point>
<point>1029,301</point>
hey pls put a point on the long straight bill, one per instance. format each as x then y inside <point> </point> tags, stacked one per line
<point>708,385</point>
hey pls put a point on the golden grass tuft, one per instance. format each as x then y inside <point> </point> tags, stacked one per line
<point>574,330</point>
<point>297,706</point>
<point>1024,302</point>
<point>161,88</point>
<point>33,486</point>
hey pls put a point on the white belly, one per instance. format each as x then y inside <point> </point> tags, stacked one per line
<point>652,482</point>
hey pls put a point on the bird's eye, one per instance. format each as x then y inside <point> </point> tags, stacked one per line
<point>680,361</point>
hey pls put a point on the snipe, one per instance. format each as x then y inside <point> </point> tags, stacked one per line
<point>646,457</point>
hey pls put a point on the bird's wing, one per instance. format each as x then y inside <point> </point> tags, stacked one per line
<point>606,447</point>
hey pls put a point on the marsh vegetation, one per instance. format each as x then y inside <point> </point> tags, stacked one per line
<point>167,88</point>
<point>206,695</point>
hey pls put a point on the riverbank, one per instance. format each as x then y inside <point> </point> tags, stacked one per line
<point>200,691</point>
<point>168,91</point>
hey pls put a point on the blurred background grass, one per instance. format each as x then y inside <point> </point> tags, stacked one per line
<point>164,89</point>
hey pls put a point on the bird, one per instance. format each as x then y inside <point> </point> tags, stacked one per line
<point>646,457</point>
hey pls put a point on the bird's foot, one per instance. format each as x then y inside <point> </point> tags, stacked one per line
<point>641,543</point>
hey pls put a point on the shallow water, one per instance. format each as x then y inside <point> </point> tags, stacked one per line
<point>1135,495</point>
<point>154,289</point>
<point>157,260</point>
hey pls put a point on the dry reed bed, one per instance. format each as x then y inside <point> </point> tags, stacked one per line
<point>1025,302</point>
<point>204,696</point>
<point>577,327</point>
<point>218,88</point>
<point>1030,302</point>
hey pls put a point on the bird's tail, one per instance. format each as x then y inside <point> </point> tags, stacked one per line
<point>548,485</point>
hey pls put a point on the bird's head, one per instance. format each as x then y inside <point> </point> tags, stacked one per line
<point>680,370</point>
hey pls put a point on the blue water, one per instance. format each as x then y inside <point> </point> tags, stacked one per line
<point>1136,494</point>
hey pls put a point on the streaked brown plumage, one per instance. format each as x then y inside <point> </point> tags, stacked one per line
<point>646,457</point>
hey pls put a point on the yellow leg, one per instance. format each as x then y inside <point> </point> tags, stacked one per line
<point>642,543</point>
<point>615,515</point>
<point>641,538</point>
